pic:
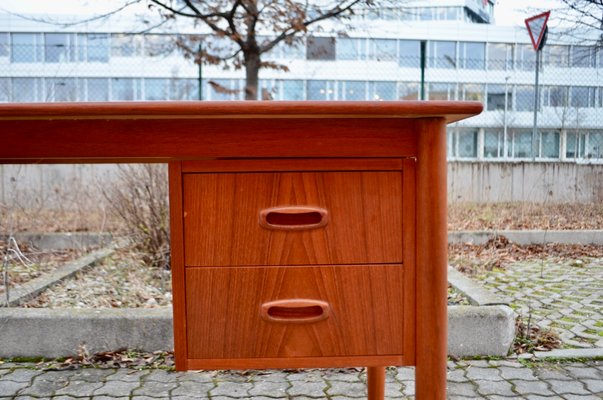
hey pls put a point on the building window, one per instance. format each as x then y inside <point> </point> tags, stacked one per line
<point>26,48</point>
<point>442,91</point>
<point>519,144</point>
<point>500,56</point>
<point>352,90</point>
<point>158,45</point>
<point>556,56</point>
<point>554,96</point>
<point>494,144</point>
<point>462,143</point>
<point>97,89</point>
<point>408,91</point>
<point>125,89</point>
<point>472,55</point>
<point>471,92</point>
<point>409,53</point>
<point>59,48</point>
<point>4,90</point>
<point>548,144</point>
<point>582,96</point>
<point>526,57</point>
<point>351,49</point>
<point>320,48</point>
<point>292,90</point>
<point>584,145</point>
<point>496,98</point>
<point>442,54</point>
<point>320,90</point>
<point>156,89</point>
<point>524,98</point>
<point>61,89</point>
<point>93,47</point>
<point>382,50</point>
<point>124,45</point>
<point>26,90</point>
<point>382,90</point>
<point>584,56</point>
<point>4,44</point>
<point>184,89</point>
<point>226,89</point>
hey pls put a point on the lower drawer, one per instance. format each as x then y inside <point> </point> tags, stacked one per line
<point>275,312</point>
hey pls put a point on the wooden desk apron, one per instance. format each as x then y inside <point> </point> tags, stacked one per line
<point>304,234</point>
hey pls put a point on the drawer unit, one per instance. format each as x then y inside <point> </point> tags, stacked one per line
<point>292,218</point>
<point>272,312</point>
<point>304,262</point>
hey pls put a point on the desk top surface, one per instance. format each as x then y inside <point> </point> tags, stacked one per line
<point>451,110</point>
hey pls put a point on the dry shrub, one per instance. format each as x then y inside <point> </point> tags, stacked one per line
<point>139,198</point>
<point>530,338</point>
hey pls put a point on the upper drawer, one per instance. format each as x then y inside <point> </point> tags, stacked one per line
<point>237,219</point>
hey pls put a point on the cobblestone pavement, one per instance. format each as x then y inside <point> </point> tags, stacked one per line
<point>566,296</point>
<point>494,379</point>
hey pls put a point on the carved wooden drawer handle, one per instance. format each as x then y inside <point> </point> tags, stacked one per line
<point>294,217</point>
<point>295,311</point>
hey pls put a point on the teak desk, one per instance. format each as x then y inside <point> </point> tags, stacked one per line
<point>304,234</point>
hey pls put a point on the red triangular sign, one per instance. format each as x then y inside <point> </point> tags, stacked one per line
<point>536,26</point>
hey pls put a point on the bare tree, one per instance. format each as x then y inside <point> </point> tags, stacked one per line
<point>583,17</point>
<point>238,29</point>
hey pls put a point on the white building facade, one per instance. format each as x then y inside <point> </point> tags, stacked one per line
<point>467,57</point>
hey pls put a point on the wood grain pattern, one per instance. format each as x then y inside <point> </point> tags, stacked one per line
<point>376,383</point>
<point>409,214</point>
<point>293,164</point>
<point>177,264</point>
<point>296,362</point>
<point>431,272</point>
<point>223,311</point>
<point>452,111</point>
<point>221,223</point>
<point>121,140</point>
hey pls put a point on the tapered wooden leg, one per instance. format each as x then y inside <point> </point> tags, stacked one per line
<point>376,383</point>
<point>431,264</point>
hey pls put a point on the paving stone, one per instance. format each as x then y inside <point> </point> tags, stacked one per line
<point>348,389</point>
<point>488,387</point>
<point>193,389</point>
<point>159,375</point>
<point>63,397</point>
<point>197,376</point>
<point>21,375</point>
<point>232,389</point>
<point>110,398</point>
<point>462,389</point>
<point>567,387</point>
<point>269,388</point>
<point>11,388</point>
<point>311,376</point>
<point>483,373</point>
<point>532,387</point>
<point>525,374</point>
<point>458,375</point>
<point>155,389</point>
<point>310,389</point>
<point>117,388</point>
<point>91,374</point>
<point>584,373</point>
<point>557,374</point>
<point>408,388</point>
<point>582,397</point>
<point>47,383</point>
<point>127,375</point>
<point>343,377</point>
<point>405,374</point>
<point>594,385</point>
<point>79,388</point>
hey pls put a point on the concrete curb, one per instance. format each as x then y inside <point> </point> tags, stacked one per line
<point>568,354</point>
<point>38,285</point>
<point>35,332</point>
<point>529,237</point>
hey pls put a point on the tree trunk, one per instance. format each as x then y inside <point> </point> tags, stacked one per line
<point>252,72</point>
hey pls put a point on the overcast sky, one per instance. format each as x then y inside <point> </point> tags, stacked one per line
<point>507,12</point>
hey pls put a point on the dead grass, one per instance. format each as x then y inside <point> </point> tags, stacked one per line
<point>524,216</point>
<point>122,280</point>
<point>499,252</point>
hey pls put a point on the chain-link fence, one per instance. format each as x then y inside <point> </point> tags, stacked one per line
<point>46,67</point>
